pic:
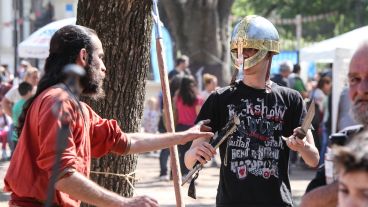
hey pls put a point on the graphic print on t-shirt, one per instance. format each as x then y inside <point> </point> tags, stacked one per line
<point>255,146</point>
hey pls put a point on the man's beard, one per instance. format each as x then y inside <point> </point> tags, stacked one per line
<point>92,83</point>
<point>360,112</point>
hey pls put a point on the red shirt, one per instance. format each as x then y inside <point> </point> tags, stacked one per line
<point>187,114</point>
<point>31,165</point>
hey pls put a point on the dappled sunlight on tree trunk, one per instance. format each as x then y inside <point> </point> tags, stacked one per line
<point>124,28</point>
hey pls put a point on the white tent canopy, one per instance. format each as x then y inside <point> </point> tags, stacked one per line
<point>325,51</point>
<point>37,45</point>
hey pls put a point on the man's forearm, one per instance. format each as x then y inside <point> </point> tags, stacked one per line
<point>309,152</point>
<point>143,142</point>
<point>81,188</point>
<point>325,196</point>
<point>310,155</point>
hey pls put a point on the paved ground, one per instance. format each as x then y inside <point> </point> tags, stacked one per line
<point>163,191</point>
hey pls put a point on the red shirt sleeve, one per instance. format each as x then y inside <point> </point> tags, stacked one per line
<point>106,136</point>
<point>49,126</point>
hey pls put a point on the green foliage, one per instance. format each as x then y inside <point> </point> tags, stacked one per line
<point>241,8</point>
<point>344,15</point>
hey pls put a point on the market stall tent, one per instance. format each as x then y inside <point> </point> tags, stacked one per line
<point>38,43</point>
<point>325,51</point>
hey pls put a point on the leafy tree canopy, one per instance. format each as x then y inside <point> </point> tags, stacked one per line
<point>339,16</point>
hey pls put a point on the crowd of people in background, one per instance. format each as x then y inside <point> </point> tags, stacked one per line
<point>187,100</point>
<point>15,90</point>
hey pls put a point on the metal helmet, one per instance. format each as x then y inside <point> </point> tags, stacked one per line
<point>253,32</point>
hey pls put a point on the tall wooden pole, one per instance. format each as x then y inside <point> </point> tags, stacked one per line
<point>167,112</point>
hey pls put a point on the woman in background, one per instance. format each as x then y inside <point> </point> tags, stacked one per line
<point>188,104</point>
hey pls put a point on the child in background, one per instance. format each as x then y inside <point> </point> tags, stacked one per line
<point>5,122</point>
<point>151,116</point>
<point>25,91</point>
<point>210,85</point>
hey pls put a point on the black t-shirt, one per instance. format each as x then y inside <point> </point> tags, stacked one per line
<point>254,160</point>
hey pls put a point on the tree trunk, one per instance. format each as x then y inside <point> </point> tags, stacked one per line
<point>124,27</point>
<point>201,30</point>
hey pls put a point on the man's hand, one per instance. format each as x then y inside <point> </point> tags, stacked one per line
<point>202,152</point>
<point>140,201</point>
<point>297,141</point>
<point>200,130</point>
<point>303,143</point>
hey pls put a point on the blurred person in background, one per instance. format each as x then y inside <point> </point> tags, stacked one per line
<point>151,116</point>
<point>282,77</point>
<point>181,67</point>
<point>5,75</point>
<point>210,85</point>
<point>22,69</point>
<point>5,122</point>
<point>188,103</point>
<point>26,92</point>
<point>320,96</point>
<point>5,86</point>
<point>32,77</point>
<point>296,83</point>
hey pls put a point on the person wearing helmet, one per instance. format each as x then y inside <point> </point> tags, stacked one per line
<point>254,159</point>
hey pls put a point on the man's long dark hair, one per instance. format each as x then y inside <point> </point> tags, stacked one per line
<point>65,46</point>
<point>187,91</point>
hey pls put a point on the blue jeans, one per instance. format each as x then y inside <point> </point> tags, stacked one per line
<point>324,144</point>
<point>164,156</point>
<point>182,149</point>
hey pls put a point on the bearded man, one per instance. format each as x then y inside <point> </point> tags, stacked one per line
<point>89,135</point>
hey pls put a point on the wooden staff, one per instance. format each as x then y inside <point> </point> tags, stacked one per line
<point>167,112</point>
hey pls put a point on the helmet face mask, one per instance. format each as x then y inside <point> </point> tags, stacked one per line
<point>253,32</point>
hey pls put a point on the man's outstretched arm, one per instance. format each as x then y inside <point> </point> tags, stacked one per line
<point>143,142</point>
<point>83,189</point>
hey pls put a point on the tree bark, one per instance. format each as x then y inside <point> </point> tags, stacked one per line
<point>200,29</point>
<point>124,27</point>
